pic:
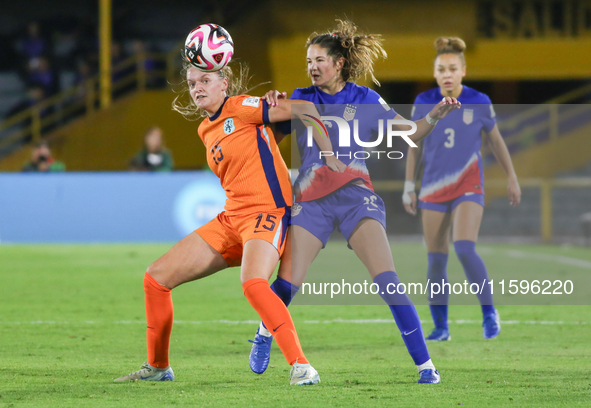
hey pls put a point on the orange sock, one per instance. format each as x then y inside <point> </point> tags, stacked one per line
<point>276,317</point>
<point>159,315</point>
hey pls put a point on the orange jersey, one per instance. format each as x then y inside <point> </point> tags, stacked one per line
<point>243,153</point>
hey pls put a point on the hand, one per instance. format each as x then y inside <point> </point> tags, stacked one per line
<point>335,164</point>
<point>272,97</point>
<point>410,202</point>
<point>514,192</point>
<point>443,108</point>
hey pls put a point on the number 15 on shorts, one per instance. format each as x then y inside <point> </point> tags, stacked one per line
<point>265,222</point>
<point>371,203</point>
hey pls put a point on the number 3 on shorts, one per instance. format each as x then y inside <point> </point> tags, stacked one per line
<point>268,223</point>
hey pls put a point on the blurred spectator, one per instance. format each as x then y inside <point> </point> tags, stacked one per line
<point>141,49</point>
<point>154,156</point>
<point>76,104</point>
<point>41,74</point>
<point>117,57</point>
<point>120,72</point>
<point>66,42</point>
<point>42,161</point>
<point>23,126</point>
<point>83,74</point>
<point>34,95</point>
<point>33,45</point>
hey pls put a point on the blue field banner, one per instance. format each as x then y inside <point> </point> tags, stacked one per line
<point>106,207</point>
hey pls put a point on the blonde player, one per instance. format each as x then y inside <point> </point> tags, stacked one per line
<point>251,232</point>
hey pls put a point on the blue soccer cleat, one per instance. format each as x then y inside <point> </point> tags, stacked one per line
<point>429,376</point>
<point>260,353</point>
<point>491,325</point>
<point>149,373</point>
<point>439,335</point>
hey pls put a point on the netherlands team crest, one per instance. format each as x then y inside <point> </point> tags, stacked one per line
<point>468,116</point>
<point>349,113</point>
<point>229,126</point>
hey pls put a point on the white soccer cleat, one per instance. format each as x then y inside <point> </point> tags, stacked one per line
<point>303,374</point>
<point>149,373</point>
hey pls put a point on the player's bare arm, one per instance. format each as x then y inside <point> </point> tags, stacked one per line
<point>272,97</point>
<point>427,124</point>
<point>409,196</point>
<point>499,149</point>
<point>283,111</point>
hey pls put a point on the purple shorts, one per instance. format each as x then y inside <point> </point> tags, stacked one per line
<point>343,209</point>
<point>449,206</point>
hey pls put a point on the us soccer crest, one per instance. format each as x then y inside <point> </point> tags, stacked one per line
<point>295,209</point>
<point>468,116</point>
<point>349,112</point>
<point>229,126</point>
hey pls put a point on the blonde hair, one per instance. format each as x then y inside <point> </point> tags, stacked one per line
<point>237,85</point>
<point>450,45</point>
<point>359,50</point>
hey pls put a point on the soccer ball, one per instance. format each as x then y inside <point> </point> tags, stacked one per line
<point>209,47</point>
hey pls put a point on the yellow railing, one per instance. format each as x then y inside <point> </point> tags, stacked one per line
<point>549,123</point>
<point>545,185</point>
<point>79,100</point>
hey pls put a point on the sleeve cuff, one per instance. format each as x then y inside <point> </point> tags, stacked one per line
<point>284,127</point>
<point>265,113</point>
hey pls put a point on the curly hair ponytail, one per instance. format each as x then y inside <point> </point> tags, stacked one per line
<point>359,50</point>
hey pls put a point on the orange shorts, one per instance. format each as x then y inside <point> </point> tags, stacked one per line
<point>228,234</point>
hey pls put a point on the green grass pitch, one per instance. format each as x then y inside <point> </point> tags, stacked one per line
<point>72,320</point>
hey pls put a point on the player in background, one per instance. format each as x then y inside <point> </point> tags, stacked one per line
<point>452,192</point>
<point>252,231</point>
<point>328,199</point>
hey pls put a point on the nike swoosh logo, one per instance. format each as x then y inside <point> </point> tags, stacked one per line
<point>260,231</point>
<point>410,332</point>
<point>303,375</point>
<point>150,327</point>
<point>275,329</point>
<point>371,209</point>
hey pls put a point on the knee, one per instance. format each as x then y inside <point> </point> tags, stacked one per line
<point>437,245</point>
<point>383,279</point>
<point>157,271</point>
<point>465,249</point>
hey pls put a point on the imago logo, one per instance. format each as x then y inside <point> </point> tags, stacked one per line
<point>392,130</point>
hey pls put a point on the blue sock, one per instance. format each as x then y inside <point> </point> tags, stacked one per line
<point>437,273</point>
<point>475,271</point>
<point>405,315</point>
<point>284,290</point>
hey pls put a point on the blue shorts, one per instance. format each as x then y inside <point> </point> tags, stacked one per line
<point>343,208</point>
<point>449,206</point>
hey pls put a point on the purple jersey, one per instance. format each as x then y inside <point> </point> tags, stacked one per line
<point>451,154</point>
<point>352,102</point>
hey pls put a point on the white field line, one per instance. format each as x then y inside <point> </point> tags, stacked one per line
<point>255,322</point>
<point>535,256</point>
